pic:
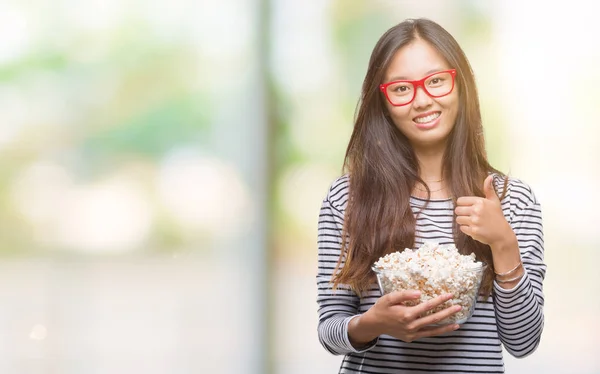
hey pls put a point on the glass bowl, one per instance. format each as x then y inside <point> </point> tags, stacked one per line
<point>463,284</point>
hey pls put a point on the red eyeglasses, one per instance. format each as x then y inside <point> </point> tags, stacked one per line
<point>403,92</point>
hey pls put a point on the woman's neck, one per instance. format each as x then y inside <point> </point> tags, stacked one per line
<point>431,172</point>
<point>430,165</point>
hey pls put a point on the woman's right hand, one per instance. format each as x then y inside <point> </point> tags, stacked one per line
<point>389,316</point>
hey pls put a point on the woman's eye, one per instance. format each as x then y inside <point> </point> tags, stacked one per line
<point>401,88</point>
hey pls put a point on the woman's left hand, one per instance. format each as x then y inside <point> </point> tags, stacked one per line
<point>481,217</point>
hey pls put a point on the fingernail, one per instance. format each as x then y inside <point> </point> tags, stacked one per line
<point>455,327</point>
<point>457,307</point>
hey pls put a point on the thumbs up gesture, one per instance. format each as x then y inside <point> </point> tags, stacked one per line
<point>481,217</point>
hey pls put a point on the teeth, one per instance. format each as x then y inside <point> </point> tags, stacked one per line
<point>429,118</point>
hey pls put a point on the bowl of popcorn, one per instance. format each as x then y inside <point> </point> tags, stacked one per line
<point>434,270</point>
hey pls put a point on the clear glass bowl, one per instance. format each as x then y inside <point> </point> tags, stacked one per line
<point>463,284</point>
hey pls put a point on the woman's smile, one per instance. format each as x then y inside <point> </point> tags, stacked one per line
<point>427,120</point>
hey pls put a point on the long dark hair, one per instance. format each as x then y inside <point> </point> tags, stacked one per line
<point>383,168</point>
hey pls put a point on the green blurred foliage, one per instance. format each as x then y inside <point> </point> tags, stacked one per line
<point>130,98</point>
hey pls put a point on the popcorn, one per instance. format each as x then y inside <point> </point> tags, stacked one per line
<point>434,270</point>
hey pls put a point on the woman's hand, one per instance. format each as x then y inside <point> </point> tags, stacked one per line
<point>482,218</point>
<point>389,316</point>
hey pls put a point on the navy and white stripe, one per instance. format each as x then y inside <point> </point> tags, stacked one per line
<point>512,318</point>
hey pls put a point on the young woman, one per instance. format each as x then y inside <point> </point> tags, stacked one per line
<point>417,171</point>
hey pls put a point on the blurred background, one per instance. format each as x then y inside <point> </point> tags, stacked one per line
<point>162,165</point>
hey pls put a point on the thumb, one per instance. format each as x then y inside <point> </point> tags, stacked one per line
<point>488,188</point>
<point>398,297</point>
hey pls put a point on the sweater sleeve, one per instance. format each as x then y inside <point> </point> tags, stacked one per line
<point>335,307</point>
<point>520,310</point>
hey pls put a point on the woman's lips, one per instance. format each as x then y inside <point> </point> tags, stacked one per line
<point>427,120</point>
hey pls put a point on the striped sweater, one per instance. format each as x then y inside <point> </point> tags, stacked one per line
<point>513,318</point>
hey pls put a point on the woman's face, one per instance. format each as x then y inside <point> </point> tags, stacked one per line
<point>426,121</point>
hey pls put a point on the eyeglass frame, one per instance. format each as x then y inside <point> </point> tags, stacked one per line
<point>416,84</point>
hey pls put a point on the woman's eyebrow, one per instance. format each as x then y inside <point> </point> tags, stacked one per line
<point>403,78</point>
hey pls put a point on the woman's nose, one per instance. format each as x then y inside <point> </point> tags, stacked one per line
<point>422,99</point>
